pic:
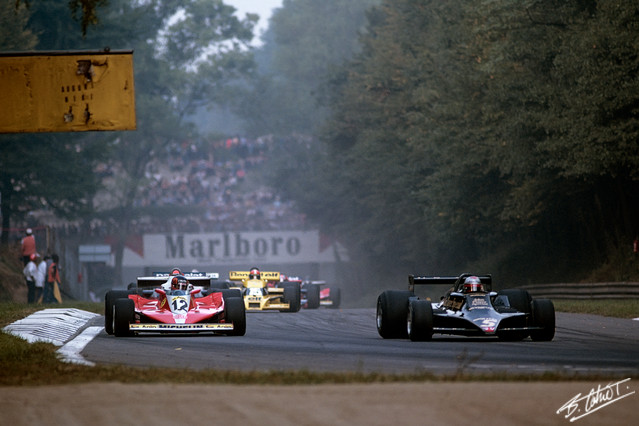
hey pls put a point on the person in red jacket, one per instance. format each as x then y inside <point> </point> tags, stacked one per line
<point>28,246</point>
<point>53,276</point>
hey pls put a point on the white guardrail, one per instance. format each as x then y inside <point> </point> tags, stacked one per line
<point>616,290</point>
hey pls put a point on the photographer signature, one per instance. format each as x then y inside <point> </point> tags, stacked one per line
<point>580,406</point>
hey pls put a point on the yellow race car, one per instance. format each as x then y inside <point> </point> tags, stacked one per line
<point>263,291</point>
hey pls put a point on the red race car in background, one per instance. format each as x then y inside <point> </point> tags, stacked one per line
<point>316,293</point>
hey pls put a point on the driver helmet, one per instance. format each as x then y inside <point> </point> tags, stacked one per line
<point>472,285</point>
<point>176,271</point>
<point>34,256</point>
<point>254,274</point>
<point>179,282</point>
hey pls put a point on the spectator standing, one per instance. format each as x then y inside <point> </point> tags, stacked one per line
<point>40,277</point>
<point>28,246</point>
<point>53,279</point>
<point>30,270</point>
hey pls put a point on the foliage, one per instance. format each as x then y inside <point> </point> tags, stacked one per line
<point>487,130</point>
<point>45,172</point>
<point>84,11</point>
<point>303,44</point>
<point>15,35</point>
<point>184,51</point>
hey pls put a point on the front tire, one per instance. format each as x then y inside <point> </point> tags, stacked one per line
<point>109,299</point>
<point>293,296</point>
<point>392,311</point>
<point>236,314</point>
<point>336,297</point>
<point>123,316</point>
<point>420,321</point>
<point>543,315</point>
<point>312,296</point>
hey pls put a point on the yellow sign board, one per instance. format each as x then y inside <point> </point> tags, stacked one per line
<point>66,91</point>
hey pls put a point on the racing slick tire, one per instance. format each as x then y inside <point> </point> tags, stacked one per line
<point>228,293</point>
<point>336,298</point>
<point>543,316</point>
<point>293,296</point>
<point>123,315</point>
<point>235,314</point>
<point>312,296</point>
<point>518,299</point>
<point>219,285</point>
<point>391,314</point>
<point>419,324</point>
<point>109,298</point>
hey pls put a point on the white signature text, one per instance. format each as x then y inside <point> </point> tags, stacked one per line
<point>580,406</point>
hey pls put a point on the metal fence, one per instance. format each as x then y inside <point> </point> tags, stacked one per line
<point>575,291</point>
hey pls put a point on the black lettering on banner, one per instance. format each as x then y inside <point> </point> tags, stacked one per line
<point>212,244</point>
<point>241,246</point>
<point>293,246</point>
<point>197,249</point>
<point>260,246</point>
<point>276,241</point>
<point>227,246</point>
<point>175,249</point>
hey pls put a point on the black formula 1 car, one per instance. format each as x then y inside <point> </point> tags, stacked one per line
<point>465,310</point>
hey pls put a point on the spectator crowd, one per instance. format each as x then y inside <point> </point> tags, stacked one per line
<point>214,187</point>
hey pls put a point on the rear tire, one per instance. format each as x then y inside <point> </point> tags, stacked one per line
<point>123,316</point>
<point>293,296</point>
<point>518,299</point>
<point>235,313</point>
<point>336,298</point>
<point>228,293</point>
<point>543,315</point>
<point>109,298</point>
<point>312,296</point>
<point>392,311</point>
<point>419,325</point>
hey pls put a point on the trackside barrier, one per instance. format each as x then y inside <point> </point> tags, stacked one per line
<point>618,290</point>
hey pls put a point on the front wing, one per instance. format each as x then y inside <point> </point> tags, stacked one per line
<point>272,301</point>
<point>181,328</point>
<point>491,324</point>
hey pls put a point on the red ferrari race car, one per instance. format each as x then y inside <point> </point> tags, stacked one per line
<point>316,294</point>
<point>165,303</point>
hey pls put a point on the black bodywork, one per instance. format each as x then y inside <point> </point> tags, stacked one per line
<point>510,314</point>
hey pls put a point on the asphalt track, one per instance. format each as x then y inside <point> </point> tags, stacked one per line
<point>326,340</point>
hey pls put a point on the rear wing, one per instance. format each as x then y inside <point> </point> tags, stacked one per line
<point>243,275</point>
<point>486,279</point>
<point>200,279</point>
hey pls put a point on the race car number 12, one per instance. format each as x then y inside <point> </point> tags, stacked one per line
<point>179,304</point>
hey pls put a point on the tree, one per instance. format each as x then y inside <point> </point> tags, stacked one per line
<point>44,171</point>
<point>86,11</point>
<point>502,131</point>
<point>304,43</point>
<point>178,67</point>
<point>14,34</point>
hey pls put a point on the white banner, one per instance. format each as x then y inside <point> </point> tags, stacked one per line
<point>279,247</point>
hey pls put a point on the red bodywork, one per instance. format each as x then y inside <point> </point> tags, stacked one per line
<point>325,293</point>
<point>180,309</point>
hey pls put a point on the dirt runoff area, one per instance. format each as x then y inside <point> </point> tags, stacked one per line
<point>474,403</point>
